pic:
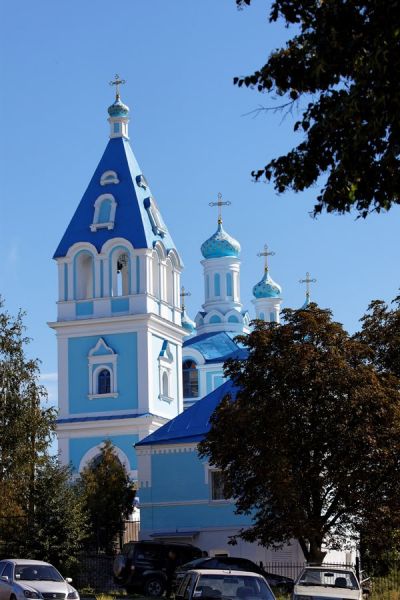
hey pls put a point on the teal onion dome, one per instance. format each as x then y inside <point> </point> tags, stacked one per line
<point>267,288</point>
<point>220,244</point>
<point>188,325</point>
<point>118,109</point>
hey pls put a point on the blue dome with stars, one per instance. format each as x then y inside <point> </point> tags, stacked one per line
<point>118,109</point>
<point>220,244</point>
<point>267,288</point>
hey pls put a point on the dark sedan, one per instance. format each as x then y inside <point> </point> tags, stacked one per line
<point>276,582</point>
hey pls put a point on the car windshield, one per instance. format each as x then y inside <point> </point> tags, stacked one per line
<point>339,578</point>
<point>32,572</point>
<point>232,587</point>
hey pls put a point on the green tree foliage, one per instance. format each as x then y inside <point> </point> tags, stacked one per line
<point>26,424</point>
<point>60,523</point>
<point>107,493</point>
<point>310,446</point>
<point>341,68</point>
<point>40,515</point>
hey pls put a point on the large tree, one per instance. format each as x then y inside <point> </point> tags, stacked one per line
<point>340,70</point>
<point>40,515</point>
<point>310,445</point>
<point>107,493</point>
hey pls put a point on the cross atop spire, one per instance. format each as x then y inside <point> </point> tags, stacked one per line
<point>266,253</point>
<point>182,295</point>
<point>219,203</point>
<point>117,81</point>
<point>307,281</point>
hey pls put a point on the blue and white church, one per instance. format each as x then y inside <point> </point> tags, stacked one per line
<point>133,367</point>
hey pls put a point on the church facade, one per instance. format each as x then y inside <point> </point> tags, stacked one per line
<point>133,367</point>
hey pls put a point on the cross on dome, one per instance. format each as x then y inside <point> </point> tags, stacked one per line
<point>117,81</point>
<point>307,281</point>
<point>266,253</point>
<point>220,203</point>
<point>182,295</point>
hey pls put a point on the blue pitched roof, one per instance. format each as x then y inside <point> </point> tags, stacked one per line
<point>131,219</point>
<point>216,346</point>
<point>193,424</point>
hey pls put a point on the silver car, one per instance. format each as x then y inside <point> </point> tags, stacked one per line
<point>24,578</point>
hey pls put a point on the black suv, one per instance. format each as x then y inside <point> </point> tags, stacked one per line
<point>142,566</point>
<point>279,583</point>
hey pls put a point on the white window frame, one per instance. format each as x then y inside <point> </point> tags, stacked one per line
<point>109,177</point>
<point>98,362</point>
<point>97,206</point>
<point>165,362</point>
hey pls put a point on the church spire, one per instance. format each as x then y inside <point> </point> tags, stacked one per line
<point>307,281</point>
<point>119,112</point>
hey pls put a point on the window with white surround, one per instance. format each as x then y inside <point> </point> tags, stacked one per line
<point>216,485</point>
<point>102,362</point>
<point>190,379</point>
<point>157,224</point>
<point>109,177</point>
<point>104,212</point>
<point>165,363</point>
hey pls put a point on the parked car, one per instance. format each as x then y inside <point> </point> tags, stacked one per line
<point>276,582</point>
<point>142,566</point>
<point>212,584</point>
<point>24,578</point>
<point>327,582</point>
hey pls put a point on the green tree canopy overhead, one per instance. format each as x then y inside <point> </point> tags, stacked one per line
<point>342,69</point>
<point>310,446</point>
<point>107,493</point>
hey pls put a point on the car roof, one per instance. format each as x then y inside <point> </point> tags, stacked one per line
<point>234,572</point>
<point>329,567</point>
<point>25,561</point>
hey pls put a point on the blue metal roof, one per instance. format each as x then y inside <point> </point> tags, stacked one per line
<point>216,346</point>
<point>193,424</point>
<point>132,220</point>
<point>103,418</point>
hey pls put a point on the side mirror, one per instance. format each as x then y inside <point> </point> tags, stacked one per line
<point>5,578</point>
<point>68,579</point>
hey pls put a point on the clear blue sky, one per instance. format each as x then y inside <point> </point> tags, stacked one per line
<point>190,137</point>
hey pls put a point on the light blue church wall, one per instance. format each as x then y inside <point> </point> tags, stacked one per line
<point>79,446</point>
<point>181,477</point>
<point>125,347</point>
<point>214,379</point>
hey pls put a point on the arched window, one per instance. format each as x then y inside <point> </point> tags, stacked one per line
<point>217,285</point>
<point>84,276</point>
<point>207,286</point>
<point>109,177</point>
<point>156,275</point>
<point>104,382</point>
<point>233,319</point>
<point>262,316</point>
<point>104,212</point>
<point>229,284</point>
<point>190,379</point>
<point>170,282</point>
<point>165,386</point>
<point>120,275</point>
<point>215,319</point>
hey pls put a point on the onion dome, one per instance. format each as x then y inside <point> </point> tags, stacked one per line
<point>118,109</point>
<point>220,244</point>
<point>188,325</point>
<point>267,288</point>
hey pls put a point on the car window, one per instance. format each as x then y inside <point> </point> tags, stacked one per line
<point>329,578</point>
<point>2,567</point>
<point>183,586</point>
<point>8,571</point>
<point>35,572</point>
<point>235,587</point>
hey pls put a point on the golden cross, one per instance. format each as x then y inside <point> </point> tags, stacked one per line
<point>182,295</point>
<point>307,281</point>
<point>117,81</point>
<point>266,253</point>
<point>219,203</point>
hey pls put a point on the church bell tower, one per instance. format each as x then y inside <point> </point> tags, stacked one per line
<point>118,327</point>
